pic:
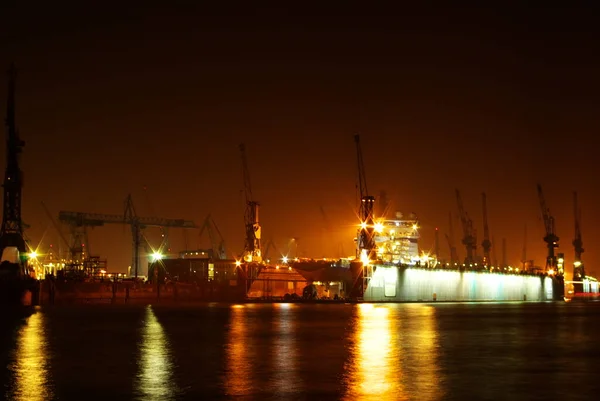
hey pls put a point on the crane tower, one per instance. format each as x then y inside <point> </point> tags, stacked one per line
<point>252,248</point>
<point>551,239</point>
<point>11,233</point>
<point>365,249</point>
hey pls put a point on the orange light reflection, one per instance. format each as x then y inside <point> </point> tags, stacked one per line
<point>31,367</point>
<point>239,364</point>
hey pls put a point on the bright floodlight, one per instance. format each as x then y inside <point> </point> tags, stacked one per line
<point>33,255</point>
<point>238,263</point>
<point>156,256</point>
<point>285,259</point>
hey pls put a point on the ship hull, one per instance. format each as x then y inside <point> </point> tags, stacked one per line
<point>16,289</point>
<point>412,284</point>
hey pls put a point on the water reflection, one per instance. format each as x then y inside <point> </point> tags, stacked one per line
<point>284,352</point>
<point>155,381</point>
<point>393,353</point>
<point>374,370</point>
<point>238,380</point>
<point>31,368</point>
<point>421,349</point>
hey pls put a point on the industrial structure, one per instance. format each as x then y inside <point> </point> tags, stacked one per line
<point>11,232</point>
<point>388,265</point>
<point>80,221</point>
<point>217,248</point>
<point>486,244</point>
<point>578,267</point>
<point>252,246</point>
<point>365,244</point>
<point>469,239</point>
<point>551,239</point>
<point>17,276</point>
<point>454,260</point>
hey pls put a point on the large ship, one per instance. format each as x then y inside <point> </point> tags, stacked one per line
<point>401,273</point>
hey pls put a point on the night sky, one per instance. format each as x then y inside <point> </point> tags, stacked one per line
<point>112,100</point>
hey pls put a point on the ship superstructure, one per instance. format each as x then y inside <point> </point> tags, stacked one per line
<point>397,240</point>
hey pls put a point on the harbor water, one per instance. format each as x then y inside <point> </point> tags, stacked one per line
<point>489,351</point>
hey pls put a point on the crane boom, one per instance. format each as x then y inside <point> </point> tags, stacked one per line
<point>551,239</point>
<point>252,246</point>
<point>365,242</point>
<point>486,244</point>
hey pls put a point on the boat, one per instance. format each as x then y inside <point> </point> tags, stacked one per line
<point>399,273</point>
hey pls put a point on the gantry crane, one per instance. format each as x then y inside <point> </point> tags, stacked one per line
<point>252,248</point>
<point>578,269</point>
<point>551,239</point>
<point>365,243</point>
<point>217,244</point>
<point>469,236</point>
<point>486,244</point>
<point>130,217</point>
<point>450,238</point>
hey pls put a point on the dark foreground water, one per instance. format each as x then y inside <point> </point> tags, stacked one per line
<point>314,352</point>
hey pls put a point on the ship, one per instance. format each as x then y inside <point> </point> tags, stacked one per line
<point>399,272</point>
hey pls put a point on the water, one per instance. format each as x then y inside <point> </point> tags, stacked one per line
<point>317,352</point>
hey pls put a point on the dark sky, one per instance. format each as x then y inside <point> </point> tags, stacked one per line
<point>115,99</point>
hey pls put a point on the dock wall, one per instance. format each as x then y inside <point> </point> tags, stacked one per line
<point>393,284</point>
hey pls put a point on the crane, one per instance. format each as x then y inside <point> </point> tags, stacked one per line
<point>551,239</point>
<point>217,244</point>
<point>450,239</point>
<point>252,248</point>
<point>11,232</point>
<point>578,269</point>
<point>469,237</point>
<point>486,244</point>
<point>365,241</point>
<point>130,217</point>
